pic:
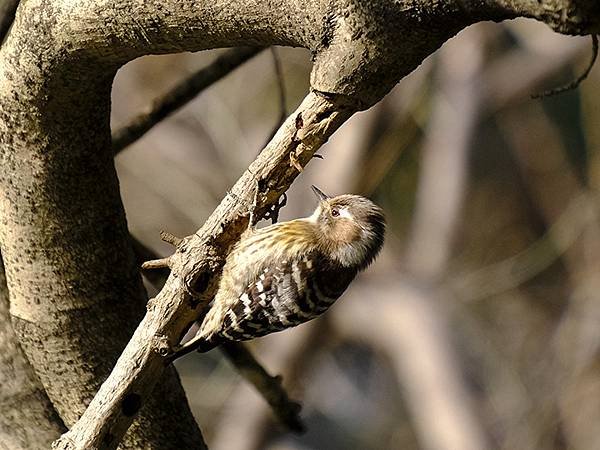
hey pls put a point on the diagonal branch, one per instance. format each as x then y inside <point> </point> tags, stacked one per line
<point>269,387</point>
<point>185,91</point>
<point>67,215</point>
<point>195,272</point>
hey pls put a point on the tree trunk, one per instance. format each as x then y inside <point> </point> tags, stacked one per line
<point>76,295</point>
<point>28,419</point>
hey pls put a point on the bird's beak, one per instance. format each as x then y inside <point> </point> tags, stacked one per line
<point>319,193</point>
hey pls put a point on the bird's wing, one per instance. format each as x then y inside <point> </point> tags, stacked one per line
<point>284,295</point>
<point>275,300</point>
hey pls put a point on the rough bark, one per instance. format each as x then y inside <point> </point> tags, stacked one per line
<point>76,295</point>
<point>28,420</point>
<point>194,267</point>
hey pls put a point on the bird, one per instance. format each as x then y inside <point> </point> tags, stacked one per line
<point>288,273</point>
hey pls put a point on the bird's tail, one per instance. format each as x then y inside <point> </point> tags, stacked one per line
<point>200,345</point>
<point>206,346</point>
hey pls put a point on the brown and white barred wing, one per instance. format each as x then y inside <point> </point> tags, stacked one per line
<point>284,295</point>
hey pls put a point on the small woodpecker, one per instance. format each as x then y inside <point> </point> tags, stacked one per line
<point>288,273</point>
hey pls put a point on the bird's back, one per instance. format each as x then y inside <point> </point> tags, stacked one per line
<point>286,287</point>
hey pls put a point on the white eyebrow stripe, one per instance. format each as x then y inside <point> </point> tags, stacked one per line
<point>345,213</point>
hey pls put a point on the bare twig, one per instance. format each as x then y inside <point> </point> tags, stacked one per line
<point>195,269</point>
<point>268,386</point>
<point>502,90</point>
<point>182,93</point>
<point>576,82</point>
<point>156,264</point>
<point>169,238</point>
<point>291,354</point>
<point>157,276</point>
<point>8,9</point>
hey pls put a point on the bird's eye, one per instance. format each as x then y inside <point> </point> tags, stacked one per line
<point>335,212</point>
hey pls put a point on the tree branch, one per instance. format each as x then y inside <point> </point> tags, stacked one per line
<point>192,283</point>
<point>64,233</point>
<point>28,419</point>
<point>185,91</point>
<point>292,354</point>
<point>268,386</point>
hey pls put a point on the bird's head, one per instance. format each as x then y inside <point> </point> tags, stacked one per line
<point>350,228</point>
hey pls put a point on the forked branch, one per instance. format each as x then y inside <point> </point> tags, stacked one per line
<point>195,271</point>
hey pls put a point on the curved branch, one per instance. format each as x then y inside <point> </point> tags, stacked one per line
<point>192,283</point>
<point>63,230</point>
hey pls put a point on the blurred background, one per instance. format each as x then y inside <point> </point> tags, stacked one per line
<point>479,325</point>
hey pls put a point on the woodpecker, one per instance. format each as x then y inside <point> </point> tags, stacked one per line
<point>285,274</point>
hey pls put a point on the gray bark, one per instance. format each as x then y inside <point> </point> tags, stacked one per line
<point>27,419</point>
<point>76,294</point>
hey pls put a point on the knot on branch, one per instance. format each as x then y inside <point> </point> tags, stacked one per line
<point>197,282</point>
<point>131,404</point>
<point>170,238</point>
<point>360,57</point>
<point>63,443</point>
<point>160,344</point>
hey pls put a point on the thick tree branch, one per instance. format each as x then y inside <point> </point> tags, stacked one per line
<point>27,418</point>
<point>191,284</point>
<point>63,230</point>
